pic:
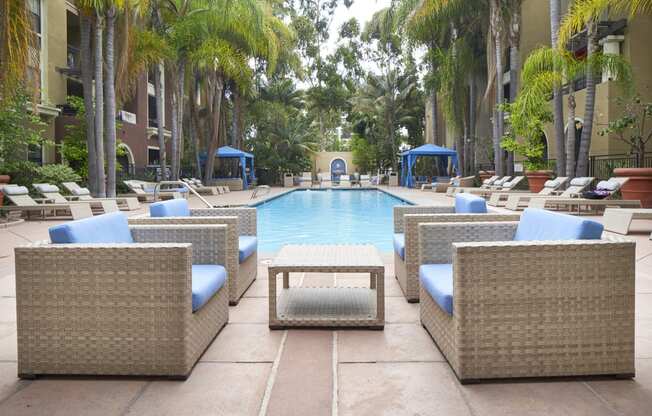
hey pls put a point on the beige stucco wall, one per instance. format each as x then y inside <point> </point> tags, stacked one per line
<point>55,50</point>
<point>635,48</point>
<point>322,161</point>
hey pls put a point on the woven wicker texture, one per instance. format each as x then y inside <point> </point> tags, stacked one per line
<point>240,221</point>
<point>533,309</point>
<point>401,211</point>
<point>115,309</point>
<point>327,307</point>
<point>407,271</point>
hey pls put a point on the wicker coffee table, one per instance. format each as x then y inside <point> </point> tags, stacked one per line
<point>338,307</point>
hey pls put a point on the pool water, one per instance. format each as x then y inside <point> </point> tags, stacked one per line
<point>327,217</point>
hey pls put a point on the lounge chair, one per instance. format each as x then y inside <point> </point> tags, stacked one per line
<point>144,191</point>
<point>19,196</point>
<point>198,187</point>
<point>79,193</point>
<point>106,298</point>
<point>486,184</point>
<point>406,223</point>
<point>242,245</point>
<point>365,181</point>
<point>499,199</point>
<point>345,181</point>
<point>324,180</point>
<point>574,190</point>
<point>619,220</point>
<point>612,187</point>
<point>543,297</point>
<point>306,180</point>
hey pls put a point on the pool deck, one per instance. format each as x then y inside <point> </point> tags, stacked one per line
<point>250,370</point>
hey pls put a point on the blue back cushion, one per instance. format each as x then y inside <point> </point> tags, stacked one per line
<point>470,204</point>
<point>107,228</point>
<point>399,244</point>
<point>247,245</point>
<point>171,208</point>
<point>541,225</point>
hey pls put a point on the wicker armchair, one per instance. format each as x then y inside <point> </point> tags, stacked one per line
<point>406,223</point>
<point>241,222</point>
<point>529,308</point>
<point>118,309</point>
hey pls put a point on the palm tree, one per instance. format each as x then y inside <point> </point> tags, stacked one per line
<point>557,99</point>
<point>99,103</point>
<point>110,142</point>
<point>585,15</point>
<point>15,40</point>
<point>514,8</point>
<point>87,82</point>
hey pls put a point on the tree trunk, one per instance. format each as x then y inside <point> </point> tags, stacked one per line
<point>571,132</point>
<point>181,82</point>
<point>109,92</point>
<point>473,98</point>
<point>514,66</point>
<point>99,106</point>
<point>195,126</point>
<point>216,108</point>
<point>160,115</point>
<point>558,96</point>
<point>589,111</point>
<point>496,30</point>
<point>87,82</point>
<point>236,123</point>
<point>433,116</point>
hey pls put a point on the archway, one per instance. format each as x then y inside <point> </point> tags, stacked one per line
<point>338,168</point>
<point>126,160</point>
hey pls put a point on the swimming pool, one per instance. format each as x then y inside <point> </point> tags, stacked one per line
<point>327,217</point>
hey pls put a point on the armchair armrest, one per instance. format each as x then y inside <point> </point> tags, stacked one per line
<point>402,210</point>
<point>582,290</point>
<point>246,217</point>
<point>209,242</point>
<point>436,240</point>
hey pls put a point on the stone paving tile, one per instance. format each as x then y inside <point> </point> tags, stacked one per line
<point>250,311</point>
<point>644,338</point>
<point>400,342</point>
<point>628,397</point>
<point>8,241</point>
<point>397,389</point>
<point>8,286</point>
<point>9,381</point>
<point>644,264</point>
<point>65,397</point>
<point>212,389</point>
<point>7,310</point>
<point>304,382</point>
<point>644,305</point>
<point>244,343</point>
<point>8,345</point>
<point>398,310</point>
<point>534,399</point>
<point>643,281</point>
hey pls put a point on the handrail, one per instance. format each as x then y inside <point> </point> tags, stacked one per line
<point>158,185</point>
<point>255,195</point>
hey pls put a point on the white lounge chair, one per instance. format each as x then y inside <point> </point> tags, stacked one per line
<point>345,181</point>
<point>306,180</point>
<point>51,192</point>
<point>19,196</point>
<point>79,193</point>
<point>577,186</point>
<point>499,199</point>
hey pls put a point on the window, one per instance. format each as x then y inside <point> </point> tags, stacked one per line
<point>34,58</point>
<point>153,158</point>
<point>153,115</point>
<point>35,154</point>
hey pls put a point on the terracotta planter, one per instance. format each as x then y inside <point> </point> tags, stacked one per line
<point>639,185</point>
<point>486,174</point>
<point>537,179</point>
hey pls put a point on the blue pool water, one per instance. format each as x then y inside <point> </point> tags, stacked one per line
<point>327,217</point>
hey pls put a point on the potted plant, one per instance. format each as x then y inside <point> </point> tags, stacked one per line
<point>635,129</point>
<point>532,147</point>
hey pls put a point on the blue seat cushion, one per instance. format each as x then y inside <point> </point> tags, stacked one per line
<point>399,245</point>
<point>470,204</point>
<point>170,208</point>
<point>207,280</point>
<point>542,225</point>
<point>107,228</point>
<point>247,245</point>
<point>437,280</point>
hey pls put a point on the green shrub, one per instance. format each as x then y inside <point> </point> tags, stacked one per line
<point>28,173</point>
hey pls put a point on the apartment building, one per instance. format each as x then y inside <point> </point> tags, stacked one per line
<point>55,70</point>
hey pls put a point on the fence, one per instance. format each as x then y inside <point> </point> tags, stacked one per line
<point>600,167</point>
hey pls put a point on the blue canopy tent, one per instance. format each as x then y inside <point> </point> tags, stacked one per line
<point>227,152</point>
<point>409,159</point>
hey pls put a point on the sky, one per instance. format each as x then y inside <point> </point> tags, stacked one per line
<point>363,10</point>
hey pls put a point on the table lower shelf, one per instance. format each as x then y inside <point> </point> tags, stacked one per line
<point>327,307</point>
